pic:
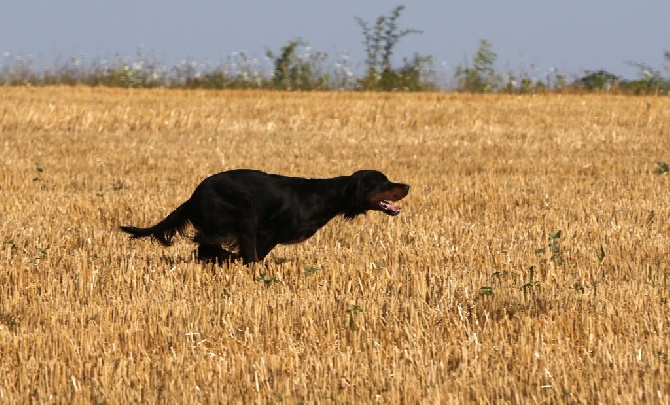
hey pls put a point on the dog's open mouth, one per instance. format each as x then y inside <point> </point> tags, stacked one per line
<point>388,208</point>
<point>381,201</point>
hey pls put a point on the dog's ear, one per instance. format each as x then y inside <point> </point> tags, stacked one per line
<point>355,189</point>
<point>354,196</point>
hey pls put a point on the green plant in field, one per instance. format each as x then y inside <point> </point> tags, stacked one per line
<point>662,168</point>
<point>380,42</point>
<point>555,248</point>
<point>42,252</point>
<point>12,246</point>
<point>666,276</point>
<point>352,311</point>
<point>601,254</point>
<point>504,274</point>
<point>10,321</point>
<point>530,282</point>
<point>118,185</point>
<point>556,254</point>
<point>480,76</point>
<point>486,291</point>
<point>39,169</point>
<point>508,277</point>
<point>268,280</point>
<point>310,270</point>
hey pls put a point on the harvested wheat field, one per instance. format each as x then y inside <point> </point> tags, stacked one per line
<point>470,295</point>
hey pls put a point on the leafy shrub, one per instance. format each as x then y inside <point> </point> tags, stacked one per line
<point>480,77</point>
<point>380,41</point>
<point>294,71</point>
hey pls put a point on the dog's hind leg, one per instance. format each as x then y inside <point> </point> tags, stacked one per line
<point>246,239</point>
<point>215,253</point>
<point>248,249</point>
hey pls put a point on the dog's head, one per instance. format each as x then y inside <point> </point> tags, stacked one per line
<point>371,190</point>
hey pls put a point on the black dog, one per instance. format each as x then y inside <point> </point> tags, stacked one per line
<point>252,211</point>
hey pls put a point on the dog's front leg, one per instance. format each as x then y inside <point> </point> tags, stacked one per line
<point>247,242</point>
<point>248,251</point>
<point>263,247</point>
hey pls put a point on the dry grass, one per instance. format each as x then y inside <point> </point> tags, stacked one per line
<point>435,305</point>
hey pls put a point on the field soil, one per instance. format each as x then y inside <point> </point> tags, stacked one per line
<point>530,262</point>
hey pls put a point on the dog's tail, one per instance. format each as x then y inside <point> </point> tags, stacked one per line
<point>165,230</point>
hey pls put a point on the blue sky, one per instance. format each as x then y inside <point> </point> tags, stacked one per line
<point>528,35</point>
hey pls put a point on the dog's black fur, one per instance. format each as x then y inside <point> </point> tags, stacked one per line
<point>252,211</point>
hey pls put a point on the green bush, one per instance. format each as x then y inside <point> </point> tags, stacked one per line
<point>380,42</point>
<point>480,76</point>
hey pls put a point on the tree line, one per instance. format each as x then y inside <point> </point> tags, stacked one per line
<point>295,66</point>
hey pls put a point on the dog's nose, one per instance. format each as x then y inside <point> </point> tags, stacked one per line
<point>406,186</point>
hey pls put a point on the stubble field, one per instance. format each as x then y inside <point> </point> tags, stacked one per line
<point>471,294</point>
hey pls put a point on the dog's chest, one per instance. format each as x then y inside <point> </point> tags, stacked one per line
<point>291,225</point>
<point>297,234</point>
<point>299,239</point>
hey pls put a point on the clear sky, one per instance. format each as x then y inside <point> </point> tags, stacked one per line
<point>569,35</point>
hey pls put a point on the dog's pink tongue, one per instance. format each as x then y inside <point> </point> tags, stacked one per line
<point>389,208</point>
